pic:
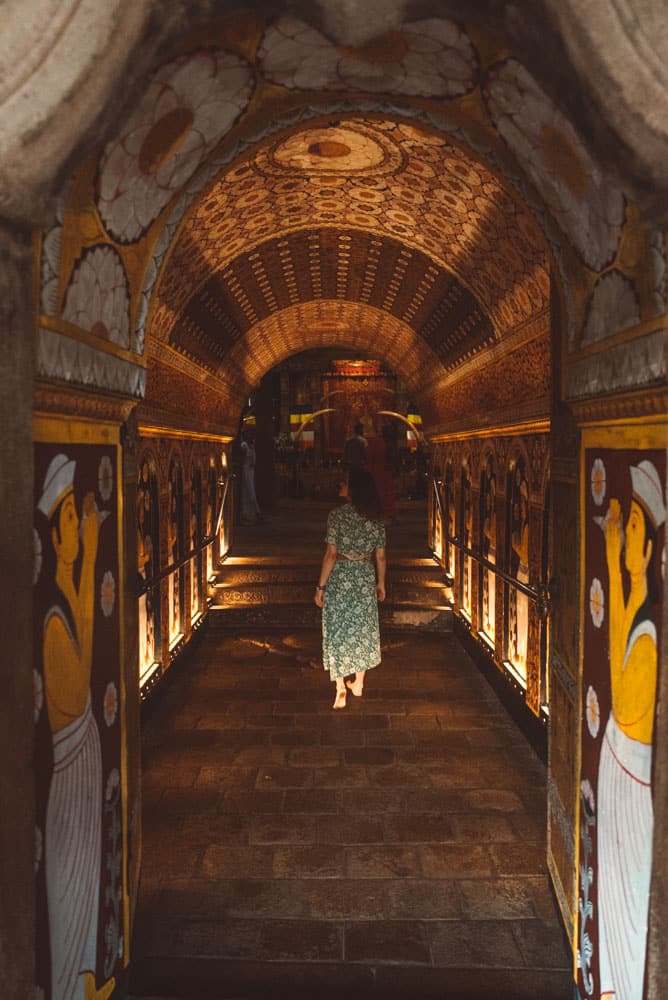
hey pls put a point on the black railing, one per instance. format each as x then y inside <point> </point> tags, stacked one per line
<point>146,585</point>
<point>540,595</point>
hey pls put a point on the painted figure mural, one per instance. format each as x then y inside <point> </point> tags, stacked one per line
<point>195,540</point>
<point>518,603</point>
<point>451,522</point>
<point>147,550</point>
<point>625,515</point>
<point>174,548</point>
<point>77,738</point>
<point>624,777</point>
<point>488,546</point>
<point>467,538</point>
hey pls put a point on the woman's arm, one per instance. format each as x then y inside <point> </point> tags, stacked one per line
<point>381,564</point>
<point>328,563</point>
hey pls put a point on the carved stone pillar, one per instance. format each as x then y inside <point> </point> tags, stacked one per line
<point>17,830</point>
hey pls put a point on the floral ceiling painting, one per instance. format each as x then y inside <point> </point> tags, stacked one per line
<point>270,128</point>
<point>427,58</point>
<point>188,106</point>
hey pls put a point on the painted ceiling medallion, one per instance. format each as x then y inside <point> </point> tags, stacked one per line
<point>341,150</point>
<point>425,193</point>
<point>430,58</point>
<point>189,105</point>
<point>588,208</point>
<point>98,298</point>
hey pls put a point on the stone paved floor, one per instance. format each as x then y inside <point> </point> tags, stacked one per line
<point>396,848</point>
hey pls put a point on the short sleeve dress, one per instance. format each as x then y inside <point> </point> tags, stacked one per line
<point>350,635</point>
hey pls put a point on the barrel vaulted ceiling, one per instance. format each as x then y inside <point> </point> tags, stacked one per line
<point>423,246</point>
<point>271,190</point>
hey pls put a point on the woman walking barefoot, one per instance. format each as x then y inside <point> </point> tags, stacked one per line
<point>349,586</point>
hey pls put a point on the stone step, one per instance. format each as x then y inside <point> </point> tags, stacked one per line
<point>307,616</point>
<point>305,573</point>
<point>227,595</point>
<point>366,976</point>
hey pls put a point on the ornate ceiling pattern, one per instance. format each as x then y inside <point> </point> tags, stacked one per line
<point>383,179</point>
<point>348,266</point>
<point>350,325</point>
<point>266,169</point>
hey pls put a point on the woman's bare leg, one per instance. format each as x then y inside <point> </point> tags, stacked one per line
<point>357,686</point>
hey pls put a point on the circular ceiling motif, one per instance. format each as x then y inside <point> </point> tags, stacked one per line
<point>428,194</point>
<point>98,298</point>
<point>587,207</point>
<point>333,149</point>
<point>188,107</point>
<point>429,58</point>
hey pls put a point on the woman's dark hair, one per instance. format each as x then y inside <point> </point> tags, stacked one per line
<point>363,493</point>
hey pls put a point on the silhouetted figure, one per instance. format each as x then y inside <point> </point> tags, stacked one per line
<point>354,450</point>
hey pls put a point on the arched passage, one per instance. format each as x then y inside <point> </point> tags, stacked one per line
<point>103,264</point>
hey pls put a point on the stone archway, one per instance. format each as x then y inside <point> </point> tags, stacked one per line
<point>45,141</point>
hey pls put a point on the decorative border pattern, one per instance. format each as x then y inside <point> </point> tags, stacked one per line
<point>68,360</point>
<point>626,366</point>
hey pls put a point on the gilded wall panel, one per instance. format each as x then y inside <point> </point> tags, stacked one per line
<point>81,784</point>
<point>623,479</point>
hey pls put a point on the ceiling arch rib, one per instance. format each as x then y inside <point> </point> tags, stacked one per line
<point>343,266</point>
<point>382,179</point>
<point>328,323</point>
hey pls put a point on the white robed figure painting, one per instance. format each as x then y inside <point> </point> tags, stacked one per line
<point>625,816</point>
<point>72,847</point>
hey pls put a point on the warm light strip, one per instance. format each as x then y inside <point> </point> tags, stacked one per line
<point>541,426</point>
<point>146,676</point>
<point>150,430</point>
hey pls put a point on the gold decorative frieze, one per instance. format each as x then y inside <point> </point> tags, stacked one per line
<point>60,400</point>
<point>631,406</point>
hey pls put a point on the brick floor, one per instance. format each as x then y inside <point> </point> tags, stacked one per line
<point>395,848</point>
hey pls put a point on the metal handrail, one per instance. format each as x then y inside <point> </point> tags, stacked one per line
<point>147,585</point>
<point>540,595</point>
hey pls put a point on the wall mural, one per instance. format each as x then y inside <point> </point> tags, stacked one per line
<point>588,208</point>
<point>194,541</point>
<point>430,58</point>
<point>624,470</point>
<point>98,297</point>
<point>188,106</point>
<point>175,550</point>
<point>148,561</point>
<point>171,145</point>
<point>488,547</point>
<point>80,781</point>
<point>517,499</point>
<point>466,535</point>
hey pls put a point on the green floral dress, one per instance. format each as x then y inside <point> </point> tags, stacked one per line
<point>350,636</point>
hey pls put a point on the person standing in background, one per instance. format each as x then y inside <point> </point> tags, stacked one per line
<point>250,509</point>
<point>354,450</point>
<point>378,464</point>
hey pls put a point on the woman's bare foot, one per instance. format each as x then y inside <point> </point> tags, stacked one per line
<point>340,700</point>
<point>357,686</point>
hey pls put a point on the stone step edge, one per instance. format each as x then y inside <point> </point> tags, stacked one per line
<point>210,977</point>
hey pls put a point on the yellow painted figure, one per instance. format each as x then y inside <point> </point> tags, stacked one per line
<point>625,816</point>
<point>74,808</point>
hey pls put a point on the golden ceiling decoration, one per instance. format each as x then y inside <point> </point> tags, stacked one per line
<point>309,325</point>
<point>391,181</point>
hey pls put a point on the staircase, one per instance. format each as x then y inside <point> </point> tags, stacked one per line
<point>269,577</point>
